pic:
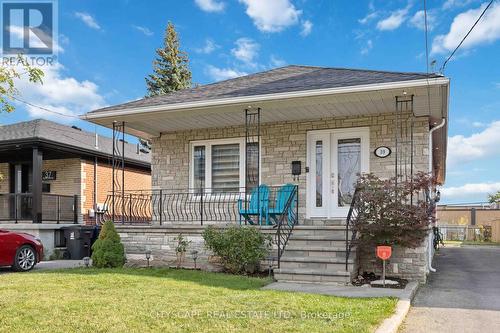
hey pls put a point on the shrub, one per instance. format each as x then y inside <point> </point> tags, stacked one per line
<point>107,251</point>
<point>239,248</point>
<point>394,212</point>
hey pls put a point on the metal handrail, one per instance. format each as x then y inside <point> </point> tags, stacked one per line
<point>350,222</point>
<point>287,222</point>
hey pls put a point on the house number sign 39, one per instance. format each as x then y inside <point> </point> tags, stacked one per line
<point>382,151</point>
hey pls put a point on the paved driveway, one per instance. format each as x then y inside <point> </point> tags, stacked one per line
<point>49,265</point>
<point>462,296</point>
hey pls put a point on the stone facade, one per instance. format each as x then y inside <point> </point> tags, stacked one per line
<point>161,240</point>
<point>282,143</point>
<point>404,263</point>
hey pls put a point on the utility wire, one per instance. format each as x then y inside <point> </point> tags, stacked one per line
<point>43,108</point>
<point>465,37</point>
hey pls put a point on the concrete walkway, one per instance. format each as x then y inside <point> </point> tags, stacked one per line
<point>344,291</point>
<point>48,265</point>
<point>462,296</point>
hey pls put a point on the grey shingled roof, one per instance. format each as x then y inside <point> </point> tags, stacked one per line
<point>41,129</point>
<point>285,79</point>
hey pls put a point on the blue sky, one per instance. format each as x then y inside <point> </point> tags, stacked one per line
<point>106,50</point>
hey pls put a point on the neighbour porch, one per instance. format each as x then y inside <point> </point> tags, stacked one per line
<point>39,184</point>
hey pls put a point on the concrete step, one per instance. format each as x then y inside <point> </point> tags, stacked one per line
<point>317,251</point>
<point>315,242</point>
<point>315,266</point>
<point>337,231</point>
<point>305,275</point>
<point>324,222</point>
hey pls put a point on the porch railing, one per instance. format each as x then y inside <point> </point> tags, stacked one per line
<point>190,206</point>
<point>351,220</point>
<point>16,207</point>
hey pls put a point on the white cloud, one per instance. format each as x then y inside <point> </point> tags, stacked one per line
<point>246,50</point>
<point>394,20</point>
<point>486,31</point>
<point>418,20</point>
<point>306,28</point>
<point>474,191</point>
<point>368,18</point>
<point>478,124</point>
<point>144,30</point>
<point>208,48</point>
<point>88,20</point>
<point>211,6</point>
<point>60,93</point>
<point>476,146</point>
<point>367,48</point>
<point>272,16</point>
<point>449,4</point>
<point>277,62</point>
<point>219,74</point>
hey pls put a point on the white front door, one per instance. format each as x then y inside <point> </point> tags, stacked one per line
<point>335,159</point>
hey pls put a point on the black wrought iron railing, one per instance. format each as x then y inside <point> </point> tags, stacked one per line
<point>196,206</point>
<point>352,217</point>
<point>16,207</point>
<point>287,221</point>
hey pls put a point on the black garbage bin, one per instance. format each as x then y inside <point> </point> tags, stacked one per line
<point>79,240</point>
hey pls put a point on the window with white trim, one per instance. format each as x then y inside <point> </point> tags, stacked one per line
<point>219,165</point>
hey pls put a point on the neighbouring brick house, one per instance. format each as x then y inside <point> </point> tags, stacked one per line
<point>74,178</point>
<point>316,128</point>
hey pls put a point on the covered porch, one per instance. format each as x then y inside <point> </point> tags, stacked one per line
<point>31,191</point>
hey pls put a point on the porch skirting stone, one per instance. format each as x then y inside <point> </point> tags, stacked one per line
<point>406,263</point>
<point>161,240</point>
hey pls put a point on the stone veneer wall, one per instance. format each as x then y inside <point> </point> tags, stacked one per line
<point>161,240</point>
<point>282,143</point>
<point>406,263</point>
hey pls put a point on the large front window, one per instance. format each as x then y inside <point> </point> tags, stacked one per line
<point>218,166</point>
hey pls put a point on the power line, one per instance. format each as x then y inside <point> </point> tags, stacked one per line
<point>43,108</point>
<point>465,37</point>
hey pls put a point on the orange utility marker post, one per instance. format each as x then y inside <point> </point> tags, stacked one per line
<point>384,253</point>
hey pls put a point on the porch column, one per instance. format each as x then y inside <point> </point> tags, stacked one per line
<point>37,185</point>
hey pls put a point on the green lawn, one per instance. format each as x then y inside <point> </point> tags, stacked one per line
<point>163,300</point>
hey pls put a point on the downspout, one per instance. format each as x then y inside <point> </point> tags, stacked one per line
<point>431,151</point>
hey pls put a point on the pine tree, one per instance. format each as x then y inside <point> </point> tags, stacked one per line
<point>170,68</point>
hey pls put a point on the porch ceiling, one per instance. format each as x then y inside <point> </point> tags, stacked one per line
<point>150,123</point>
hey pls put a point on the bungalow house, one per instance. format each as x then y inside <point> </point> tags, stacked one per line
<point>55,176</point>
<point>313,128</point>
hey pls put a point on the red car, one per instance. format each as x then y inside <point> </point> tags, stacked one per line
<point>20,250</point>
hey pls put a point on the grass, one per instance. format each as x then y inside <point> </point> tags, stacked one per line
<point>169,300</point>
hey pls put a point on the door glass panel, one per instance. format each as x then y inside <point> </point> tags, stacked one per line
<point>319,173</point>
<point>349,167</point>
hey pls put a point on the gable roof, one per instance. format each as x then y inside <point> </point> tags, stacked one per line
<point>49,131</point>
<point>291,78</point>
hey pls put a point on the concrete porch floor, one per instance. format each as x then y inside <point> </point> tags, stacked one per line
<point>344,290</point>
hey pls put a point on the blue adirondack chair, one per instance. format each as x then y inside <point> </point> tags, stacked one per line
<point>282,197</point>
<point>253,208</point>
